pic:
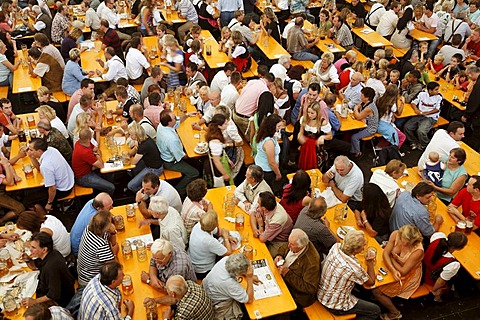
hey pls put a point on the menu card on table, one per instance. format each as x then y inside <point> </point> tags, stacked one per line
<point>269,286</point>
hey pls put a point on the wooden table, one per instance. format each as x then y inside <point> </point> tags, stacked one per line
<point>273,50</point>
<point>152,42</point>
<point>448,91</point>
<point>407,111</point>
<point>422,35</point>
<point>217,59</point>
<point>173,17</point>
<point>186,132</point>
<point>473,159</point>
<point>269,306</point>
<point>326,44</point>
<point>22,81</point>
<point>372,38</point>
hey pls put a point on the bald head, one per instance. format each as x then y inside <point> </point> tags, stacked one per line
<point>85,135</point>
<point>214,97</point>
<point>176,286</point>
<point>103,201</point>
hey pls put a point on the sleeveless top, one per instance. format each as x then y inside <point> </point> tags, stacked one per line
<point>429,266</point>
<point>372,120</point>
<point>261,157</point>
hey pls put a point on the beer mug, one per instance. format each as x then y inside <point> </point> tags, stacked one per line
<point>127,250</point>
<point>31,121</point>
<point>151,311</point>
<point>10,227</point>
<point>469,225</point>
<point>249,252</point>
<point>28,170</point>
<point>239,222</point>
<point>371,253</point>
<point>119,224</point>
<point>141,250</point>
<point>130,212</point>
<point>208,49</point>
<point>109,117</point>
<point>461,226</point>
<point>314,179</point>
<point>127,285</point>
<point>21,136</point>
<point>341,212</point>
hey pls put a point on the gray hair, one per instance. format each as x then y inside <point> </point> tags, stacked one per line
<point>283,59</point>
<point>301,238</point>
<point>224,110</point>
<point>354,240</point>
<point>317,208</point>
<point>177,284</point>
<point>473,69</point>
<point>342,159</point>
<point>313,79</point>
<point>236,265</point>
<point>158,204</point>
<point>257,172</point>
<point>162,246</point>
<point>36,9</point>
<point>74,54</point>
<point>44,124</point>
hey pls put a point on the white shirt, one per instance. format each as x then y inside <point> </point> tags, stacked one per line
<point>203,249</point>
<point>229,95</point>
<point>388,185</point>
<point>39,25</point>
<point>376,85</point>
<point>387,24</point>
<point>112,17</point>
<point>91,19</point>
<point>172,229</point>
<point>442,143</point>
<point>231,133</point>
<point>376,12</point>
<point>279,71</point>
<point>432,22</point>
<point>61,237</point>
<point>58,124</point>
<point>289,26</point>
<point>219,81</point>
<point>167,191</point>
<point>426,103</point>
<point>462,29</point>
<point>77,109</point>
<point>100,8</point>
<point>116,69</point>
<point>157,17</point>
<point>136,61</point>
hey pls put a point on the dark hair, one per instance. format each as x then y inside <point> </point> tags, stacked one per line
<point>104,23</point>
<point>154,98</point>
<point>330,99</point>
<point>4,101</point>
<point>386,102</point>
<point>31,221</point>
<point>325,12</point>
<point>266,103</point>
<point>405,19</point>
<point>42,39</point>
<point>268,127</point>
<point>368,93</point>
<point>296,72</point>
<point>421,189</point>
<point>415,73</point>
<point>196,190</point>
<point>38,311</point>
<point>152,178</point>
<point>230,66</point>
<point>299,188</point>
<point>213,131</point>
<point>460,154</point>
<point>456,39</point>
<point>44,240</point>
<point>269,77</point>
<point>458,56</point>
<point>476,185</point>
<point>165,117</point>
<point>455,240</point>
<point>314,87</point>
<point>85,82</point>
<point>454,126</point>
<point>122,82</point>
<point>121,91</point>
<point>135,42</point>
<point>429,6</point>
<point>235,78</point>
<point>99,222</point>
<point>268,200</point>
<point>262,70</point>
<point>246,20</point>
<point>34,52</point>
<point>39,144</point>
<point>432,85</point>
<point>192,66</point>
<point>109,272</point>
<point>256,172</point>
<point>375,202</point>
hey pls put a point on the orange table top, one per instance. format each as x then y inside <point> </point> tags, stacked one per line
<point>173,17</point>
<point>473,159</point>
<point>217,59</point>
<point>22,81</point>
<point>272,49</point>
<point>152,42</point>
<point>372,38</point>
<point>422,35</point>
<point>269,306</point>
<point>326,44</point>
<point>187,134</point>
<point>448,91</point>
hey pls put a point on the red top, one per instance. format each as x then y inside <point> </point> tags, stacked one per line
<point>437,67</point>
<point>293,209</point>
<point>470,207</point>
<point>5,121</point>
<point>475,46</point>
<point>82,159</point>
<point>429,266</point>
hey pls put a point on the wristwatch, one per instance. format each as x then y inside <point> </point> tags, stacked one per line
<point>148,281</point>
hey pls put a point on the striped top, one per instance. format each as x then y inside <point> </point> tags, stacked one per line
<point>340,273</point>
<point>93,252</point>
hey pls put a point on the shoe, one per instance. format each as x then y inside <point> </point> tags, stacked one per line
<point>413,146</point>
<point>357,155</point>
<point>385,316</point>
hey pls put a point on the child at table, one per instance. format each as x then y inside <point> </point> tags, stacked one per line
<point>390,56</point>
<point>434,168</point>
<point>194,54</point>
<point>239,54</point>
<point>195,32</point>
<point>450,70</point>
<point>395,78</point>
<point>423,49</point>
<point>437,64</point>
<point>461,81</point>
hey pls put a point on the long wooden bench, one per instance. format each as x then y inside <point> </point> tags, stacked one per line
<point>307,64</point>
<point>360,56</point>
<point>441,122</point>
<point>170,175</point>
<point>252,72</point>
<point>422,291</point>
<point>318,312</point>
<point>138,87</point>
<point>61,96</point>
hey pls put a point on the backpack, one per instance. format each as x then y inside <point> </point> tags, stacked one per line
<point>387,154</point>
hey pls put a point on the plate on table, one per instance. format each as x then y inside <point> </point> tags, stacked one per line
<point>200,149</point>
<point>342,231</point>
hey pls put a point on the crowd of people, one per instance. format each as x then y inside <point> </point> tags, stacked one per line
<point>236,112</point>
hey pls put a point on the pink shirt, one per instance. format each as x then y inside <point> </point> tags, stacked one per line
<point>247,102</point>
<point>153,114</point>
<point>74,99</point>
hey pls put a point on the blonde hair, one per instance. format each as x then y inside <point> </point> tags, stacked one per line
<point>75,33</point>
<point>328,56</point>
<point>138,130</point>
<point>209,221</point>
<point>43,91</point>
<point>393,166</point>
<point>350,54</point>
<point>358,66</point>
<point>237,37</point>
<point>170,40</point>
<point>383,64</point>
<point>354,240</point>
<point>74,54</point>
<point>81,121</point>
<point>380,53</point>
<point>48,111</point>
<point>225,29</point>
<point>439,56</point>
<point>411,234</point>
<point>315,106</point>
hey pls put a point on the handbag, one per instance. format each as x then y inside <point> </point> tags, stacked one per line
<point>217,181</point>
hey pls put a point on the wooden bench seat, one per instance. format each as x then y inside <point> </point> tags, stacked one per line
<point>252,72</point>
<point>170,175</point>
<point>360,56</point>
<point>441,122</point>
<point>78,191</point>
<point>376,135</point>
<point>307,64</point>
<point>318,312</point>
<point>61,96</point>
<point>138,87</point>
<point>399,53</point>
<point>422,291</point>
<point>3,92</point>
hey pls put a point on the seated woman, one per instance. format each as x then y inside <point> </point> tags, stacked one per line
<point>314,131</point>
<point>387,179</point>
<point>70,42</point>
<point>366,111</point>
<point>47,112</point>
<point>326,71</point>
<point>6,67</point>
<point>83,120</point>
<point>454,177</point>
<point>45,96</point>
<point>221,164</point>
<point>403,256</point>
<point>145,155</point>
<point>226,41</point>
<point>239,53</point>
<point>73,73</point>
<point>204,246</point>
<point>36,222</point>
<point>297,194</point>
<point>440,265</point>
<point>387,109</point>
<point>269,24</point>
<point>195,205</point>
<point>374,212</point>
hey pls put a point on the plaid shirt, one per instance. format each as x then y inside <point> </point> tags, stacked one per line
<point>195,304</point>
<point>59,313</point>
<point>99,302</point>
<point>179,264</point>
<point>192,212</point>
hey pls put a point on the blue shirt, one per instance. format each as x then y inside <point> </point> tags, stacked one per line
<point>80,224</point>
<point>169,144</point>
<point>100,302</point>
<point>409,210</point>
<point>297,106</point>
<point>334,122</point>
<point>229,5</point>
<point>352,94</point>
<point>261,156</point>
<point>72,76</point>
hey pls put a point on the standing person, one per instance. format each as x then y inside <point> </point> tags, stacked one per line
<point>367,111</point>
<point>227,8</point>
<point>341,271</point>
<point>60,24</point>
<point>473,108</point>
<point>174,61</point>
<point>137,62</point>
<point>222,165</point>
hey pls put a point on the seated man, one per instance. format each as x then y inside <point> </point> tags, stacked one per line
<point>317,229</point>
<point>300,268</point>
<point>101,297</point>
<point>195,205</point>
<point>410,209</point>
<point>246,194</point>
<point>87,85</point>
<point>270,222</point>
<point>189,299</point>
<point>467,198</point>
<point>55,138</point>
<point>11,123</point>
<point>86,159</point>
<point>410,86</point>
<point>169,221</point>
<point>335,288</point>
<point>341,34</point>
<point>223,288</point>
<point>298,45</point>
<point>352,92</point>
<point>102,201</point>
<point>427,107</point>
<point>137,62</point>
<point>346,180</point>
<point>46,67</point>
<point>54,281</point>
<point>167,261</point>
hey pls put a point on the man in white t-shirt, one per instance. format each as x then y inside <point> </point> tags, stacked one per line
<point>375,13</point>
<point>222,78</point>
<point>137,62</point>
<point>430,24</point>
<point>280,69</point>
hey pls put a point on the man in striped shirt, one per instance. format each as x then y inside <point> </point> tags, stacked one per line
<point>341,271</point>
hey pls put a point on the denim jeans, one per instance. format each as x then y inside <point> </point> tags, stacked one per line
<point>189,174</point>
<point>225,18</point>
<point>136,183</point>
<point>355,141</point>
<point>305,55</point>
<point>93,180</point>
<point>432,48</point>
<point>416,129</point>
<point>363,309</point>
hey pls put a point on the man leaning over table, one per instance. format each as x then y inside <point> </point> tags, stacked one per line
<point>341,271</point>
<point>46,67</point>
<point>114,67</point>
<point>341,34</point>
<point>137,62</point>
<point>87,85</point>
<point>246,194</point>
<point>171,150</point>
<point>270,222</point>
<point>298,45</point>
<point>57,174</point>
<point>167,260</point>
<point>101,297</point>
<point>410,209</point>
<point>346,181</point>
<point>469,199</point>
<point>11,123</point>
<point>300,268</point>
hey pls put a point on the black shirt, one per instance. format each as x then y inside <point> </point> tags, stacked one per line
<point>151,156</point>
<point>55,281</point>
<point>126,109</point>
<point>359,10</point>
